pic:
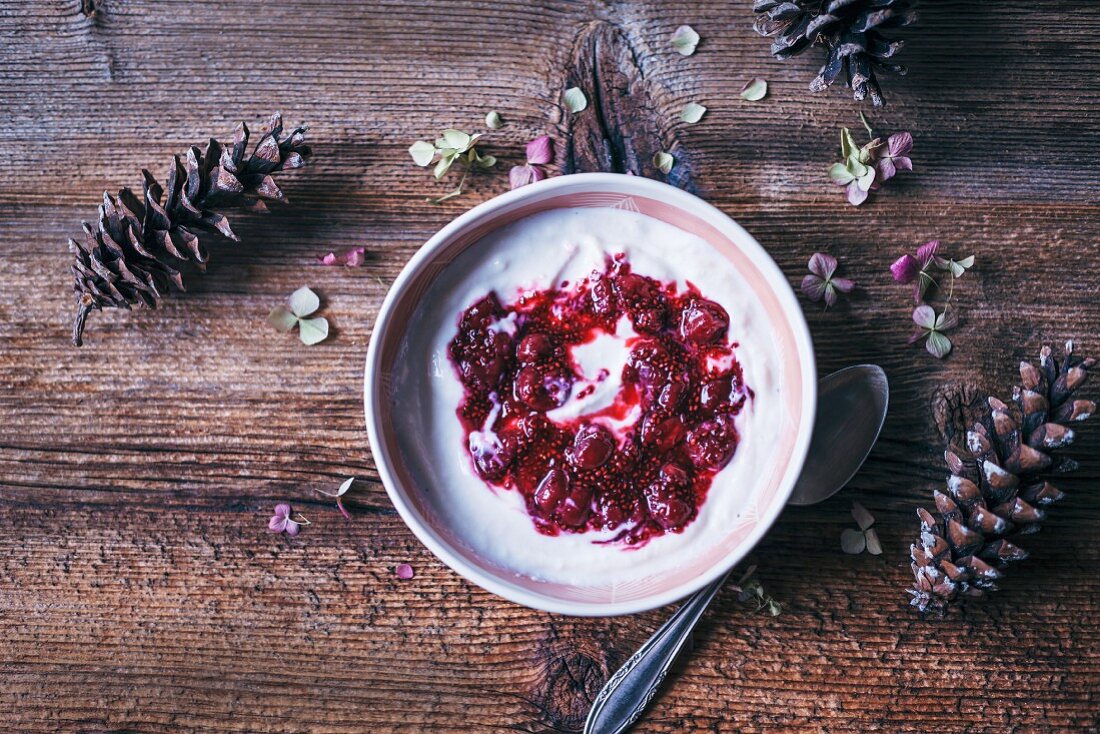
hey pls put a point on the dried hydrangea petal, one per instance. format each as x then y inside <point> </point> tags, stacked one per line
<point>493,121</point>
<point>754,90</point>
<point>540,150</point>
<point>874,547</point>
<point>853,541</point>
<point>938,345</point>
<point>684,40</point>
<point>304,301</point>
<point>422,152</point>
<point>862,517</point>
<point>693,112</point>
<point>664,162</point>
<point>282,319</point>
<point>313,331</point>
<point>822,265</point>
<point>574,99</point>
<point>404,571</point>
<point>813,287</point>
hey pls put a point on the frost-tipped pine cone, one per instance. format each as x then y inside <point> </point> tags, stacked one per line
<point>998,493</point>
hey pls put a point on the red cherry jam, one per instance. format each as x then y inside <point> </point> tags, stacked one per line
<point>641,465</point>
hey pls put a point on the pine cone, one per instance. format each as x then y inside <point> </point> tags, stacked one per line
<point>998,493</point>
<point>850,31</point>
<point>133,254</point>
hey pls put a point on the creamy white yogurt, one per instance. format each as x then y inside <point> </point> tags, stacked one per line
<point>533,254</point>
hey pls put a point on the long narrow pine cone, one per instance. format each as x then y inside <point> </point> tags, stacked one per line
<point>998,491</point>
<point>134,252</point>
<point>853,33</point>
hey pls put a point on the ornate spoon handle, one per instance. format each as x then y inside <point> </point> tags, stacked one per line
<point>627,693</point>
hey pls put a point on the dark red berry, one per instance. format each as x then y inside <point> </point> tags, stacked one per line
<point>641,297</point>
<point>611,512</point>
<point>493,454</point>
<point>575,508</point>
<point>711,443</point>
<point>534,348</point>
<point>541,391</point>
<point>662,432</point>
<point>668,498</point>
<point>714,394</point>
<point>674,392</point>
<point>592,446</point>
<point>704,322</point>
<point>551,491</point>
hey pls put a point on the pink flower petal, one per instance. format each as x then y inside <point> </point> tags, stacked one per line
<point>830,295</point>
<point>924,316</point>
<point>343,510</point>
<point>902,163</point>
<point>292,527</point>
<point>905,268</point>
<point>886,170</point>
<point>537,174</point>
<point>822,265</point>
<point>844,285</point>
<point>521,176</point>
<point>540,150</point>
<point>276,524</point>
<point>856,195</point>
<point>329,259</point>
<point>282,510</point>
<point>404,571</point>
<point>900,144</point>
<point>927,251</point>
<point>354,258</point>
<point>813,287</point>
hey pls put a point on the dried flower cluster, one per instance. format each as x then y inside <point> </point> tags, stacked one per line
<point>751,591</point>
<point>283,521</point>
<point>822,283</point>
<point>302,303</point>
<point>540,151</point>
<point>866,168</point>
<point>855,541</point>
<point>453,146</point>
<point>918,270</point>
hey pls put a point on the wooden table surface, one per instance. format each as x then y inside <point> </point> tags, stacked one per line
<point>140,590</point>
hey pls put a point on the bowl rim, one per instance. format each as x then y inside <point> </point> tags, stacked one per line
<point>601,183</point>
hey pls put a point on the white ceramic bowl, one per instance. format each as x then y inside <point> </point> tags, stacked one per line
<point>797,389</point>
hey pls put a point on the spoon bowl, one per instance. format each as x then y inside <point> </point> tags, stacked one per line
<point>851,409</point>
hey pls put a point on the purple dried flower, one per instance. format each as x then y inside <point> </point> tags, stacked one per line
<point>914,268</point>
<point>540,151</point>
<point>523,175</point>
<point>281,521</point>
<point>820,283</point>
<point>404,571</point>
<point>933,325</point>
<point>352,258</point>
<point>895,157</point>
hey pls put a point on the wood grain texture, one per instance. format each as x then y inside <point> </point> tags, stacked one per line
<point>139,588</point>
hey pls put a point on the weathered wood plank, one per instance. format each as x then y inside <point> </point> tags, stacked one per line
<point>139,588</point>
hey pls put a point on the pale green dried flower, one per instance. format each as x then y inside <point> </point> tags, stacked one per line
<point>493,121</point>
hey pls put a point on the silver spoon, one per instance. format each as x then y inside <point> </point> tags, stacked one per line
<point>851,408</point>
